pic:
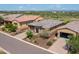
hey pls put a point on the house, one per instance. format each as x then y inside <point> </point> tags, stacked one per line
<point>25,19</point>
<point>21,20</point>
<point>68,30</point>
<point>11,17</point>
<point>44,25</point>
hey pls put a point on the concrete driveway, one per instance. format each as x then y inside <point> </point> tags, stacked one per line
<point>58,46</point>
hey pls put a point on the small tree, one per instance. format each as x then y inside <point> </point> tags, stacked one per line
<point>1,20</point>
<point>29,34</point>
<point>73,44</point>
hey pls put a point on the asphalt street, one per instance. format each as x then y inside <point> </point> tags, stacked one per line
<point>15,46</point>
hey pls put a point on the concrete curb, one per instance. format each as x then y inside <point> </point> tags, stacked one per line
<point>4,50</point>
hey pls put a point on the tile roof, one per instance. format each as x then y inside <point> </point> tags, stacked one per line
<point>26,18</point>
<point>74,25</point>
<point>47,23</point>
<point>11,17</point>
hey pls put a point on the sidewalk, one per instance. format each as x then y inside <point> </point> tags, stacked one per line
<point>21,35</point>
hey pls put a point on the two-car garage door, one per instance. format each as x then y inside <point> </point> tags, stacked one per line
<point>65,35</point>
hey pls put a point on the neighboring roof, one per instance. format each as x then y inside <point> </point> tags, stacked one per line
<point>74,25</point>
<point>11,17</point>
<point>26,18</point>
<point>47,23</point>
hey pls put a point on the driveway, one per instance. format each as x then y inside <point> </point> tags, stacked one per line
<point>58,46</point>
<point>16,46</point>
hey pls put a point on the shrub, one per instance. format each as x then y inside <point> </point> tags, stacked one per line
<point>49,43</point>
<point>73,44</point>
<point>10,28</point>
<point>1,20</point>
<point>29,34</point>
<point>3,28</point>
<point>66,21</point>
<point>45,34</point>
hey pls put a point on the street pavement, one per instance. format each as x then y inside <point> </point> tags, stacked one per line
<point>15,46</point>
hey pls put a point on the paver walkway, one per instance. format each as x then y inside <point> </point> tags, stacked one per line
<point>21,35</point>
<point>58,46</point>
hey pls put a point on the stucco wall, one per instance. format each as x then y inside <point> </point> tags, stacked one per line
<point>18,24</point>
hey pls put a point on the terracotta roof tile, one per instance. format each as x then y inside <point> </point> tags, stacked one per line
<point>11,17</point>
<point>26,18</point>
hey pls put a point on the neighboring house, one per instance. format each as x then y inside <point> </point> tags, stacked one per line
<point>20,19</point>
<point>11,17</point>
<point>44,25</point>
<point>69,29</point>
<point>25,19</point>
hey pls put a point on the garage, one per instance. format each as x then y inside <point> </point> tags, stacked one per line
<point>65,35</point>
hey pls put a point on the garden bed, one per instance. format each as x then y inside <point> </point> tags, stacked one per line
<point>43,42</point>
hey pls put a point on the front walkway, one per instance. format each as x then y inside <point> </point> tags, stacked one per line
<point>58,46</point>
<point>21,35</point>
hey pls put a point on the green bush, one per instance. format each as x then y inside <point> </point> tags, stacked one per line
<point>66,21</point>
<point>1,20</point>
<point>73,44</point>
<point>49,43</point>
<point>29,34</point>
<point>3,28</point>
<point>45,34</point>
<point>10,28</point>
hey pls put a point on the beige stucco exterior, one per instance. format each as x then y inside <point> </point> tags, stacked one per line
<point>19,24</point>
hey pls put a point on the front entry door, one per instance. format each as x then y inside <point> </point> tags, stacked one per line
<point>37,30</point>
